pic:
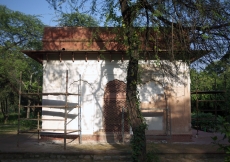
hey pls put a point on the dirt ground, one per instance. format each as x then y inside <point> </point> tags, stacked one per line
<point>200,149</point>
<point>10,142</point>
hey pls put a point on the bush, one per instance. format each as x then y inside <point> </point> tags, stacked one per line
<point>152,154</point>
<point>12,119</point>
<point>25,124</point>
<point>204,121</point>
<point>224,128</point>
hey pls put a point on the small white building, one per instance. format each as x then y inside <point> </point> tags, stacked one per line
<point>96,65</point>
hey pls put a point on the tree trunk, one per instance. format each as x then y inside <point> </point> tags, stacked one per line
<point>138,143</point>
<point>28,109</point>
<point>4,109</point>
<point>137,123</point>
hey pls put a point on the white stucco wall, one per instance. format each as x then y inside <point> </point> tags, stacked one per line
<point>95,75</point>
<point>92,91</point>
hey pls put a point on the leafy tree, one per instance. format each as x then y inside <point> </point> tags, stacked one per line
<point>183,25</point>
<point>17,32</point>
<point>76,19</point>
<point>213,77</point>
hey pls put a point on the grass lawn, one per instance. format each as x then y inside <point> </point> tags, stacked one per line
<point>8,128</point>
<point>12,124</point>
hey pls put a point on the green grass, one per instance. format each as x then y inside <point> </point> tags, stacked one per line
<point>12,124</point>
<point>12,119</point>
<point>8,128</point>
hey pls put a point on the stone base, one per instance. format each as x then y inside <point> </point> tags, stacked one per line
<point>97,138</point>
<point>182,138</point>
<point>56,136</point>
<point>113,138</point>
<point>169,138</point>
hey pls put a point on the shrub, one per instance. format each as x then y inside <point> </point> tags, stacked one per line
<point>204,121</point>
<point>224,128</point>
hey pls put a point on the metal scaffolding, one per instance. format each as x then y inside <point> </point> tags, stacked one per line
<point>216,95</point>
<point>66,131</point>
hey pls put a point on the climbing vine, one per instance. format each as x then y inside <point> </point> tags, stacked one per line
<point>137,143</point>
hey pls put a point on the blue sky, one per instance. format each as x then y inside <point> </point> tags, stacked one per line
<point>33,7</point>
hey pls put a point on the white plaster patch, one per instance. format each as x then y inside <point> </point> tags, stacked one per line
<point>155,123</point>
<point>148,90</point>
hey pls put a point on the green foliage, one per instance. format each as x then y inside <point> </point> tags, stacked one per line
<point>224,128</point>
<point>76,19</point>
<point>18,32</point>
<point>204,121</point>
<point>152,154</point>
<point>202,80</point>
<point>13,118</point>
<point>28,124</point>
<point>12,124</point>
<point>138,141</point>
<point>215,77</point>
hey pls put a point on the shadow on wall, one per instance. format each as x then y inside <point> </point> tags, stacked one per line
<point>57,111</point>
<point>114,102</point>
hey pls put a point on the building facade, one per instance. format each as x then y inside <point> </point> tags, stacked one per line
<point>96,64</point>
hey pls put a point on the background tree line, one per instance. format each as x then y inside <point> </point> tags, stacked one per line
<point>18,32</point>
<point>214,77</point>
<point>24,32</point>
